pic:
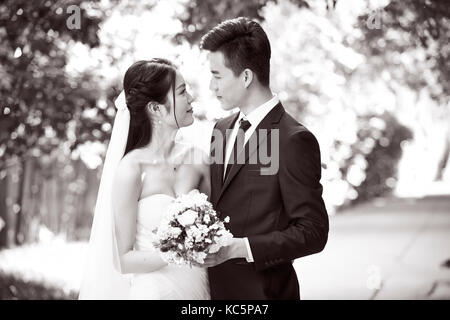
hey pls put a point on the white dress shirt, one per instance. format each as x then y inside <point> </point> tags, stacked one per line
<point>254,117</point>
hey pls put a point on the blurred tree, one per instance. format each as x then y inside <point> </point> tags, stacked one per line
<point>371,169</point>
<point>38,98</point>
<point>3,215</point>
<point>202,15</point>
<point>419,29</point>
<point>410,44</point>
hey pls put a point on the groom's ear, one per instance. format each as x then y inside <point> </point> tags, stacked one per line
<point>247,76</point>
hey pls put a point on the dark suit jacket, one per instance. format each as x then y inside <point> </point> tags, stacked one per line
<point>283,215</point>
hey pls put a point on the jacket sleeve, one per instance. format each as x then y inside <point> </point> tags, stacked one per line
<point>305,213</point>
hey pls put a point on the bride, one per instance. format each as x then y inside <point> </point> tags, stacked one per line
<point>144,170</point>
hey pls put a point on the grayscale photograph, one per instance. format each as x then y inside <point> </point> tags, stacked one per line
<point>215,150</point>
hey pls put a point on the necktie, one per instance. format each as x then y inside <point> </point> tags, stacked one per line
<point>243,126</point>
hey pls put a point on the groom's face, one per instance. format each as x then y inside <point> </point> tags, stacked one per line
<point>228,88</point>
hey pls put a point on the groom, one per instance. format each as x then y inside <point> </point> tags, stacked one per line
<point>277,214</point>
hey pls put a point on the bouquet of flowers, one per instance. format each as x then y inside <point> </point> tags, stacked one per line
<point>190,230</point>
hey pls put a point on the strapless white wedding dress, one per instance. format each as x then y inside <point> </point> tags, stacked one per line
<point>171,282</point>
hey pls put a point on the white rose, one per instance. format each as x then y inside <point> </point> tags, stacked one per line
<point>174,208</point>
<point>175,232</point>
<point>194,198</point>
<point>187,218</point>
<point>203,229</point>
<point>196,233</point>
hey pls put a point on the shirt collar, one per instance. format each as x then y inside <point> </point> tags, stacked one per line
<point>257,115</point>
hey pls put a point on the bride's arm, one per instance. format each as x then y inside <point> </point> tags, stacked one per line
<point>205,182</point>
<point>125,196</point>
<point>202,163</point>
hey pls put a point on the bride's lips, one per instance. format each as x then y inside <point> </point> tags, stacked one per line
<point>191,110</point>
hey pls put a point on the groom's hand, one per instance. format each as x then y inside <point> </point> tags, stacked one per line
<point>236,249</point>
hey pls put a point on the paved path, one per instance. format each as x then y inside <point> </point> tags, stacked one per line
<point>381,250</point>
<point>387,249</point>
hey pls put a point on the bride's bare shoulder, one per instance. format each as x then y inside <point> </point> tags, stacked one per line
<point>127,178</point>
<point>129,164</point>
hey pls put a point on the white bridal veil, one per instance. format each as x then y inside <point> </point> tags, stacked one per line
<point>102,278</point>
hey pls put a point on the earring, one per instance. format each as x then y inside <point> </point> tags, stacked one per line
<point>154,106</point>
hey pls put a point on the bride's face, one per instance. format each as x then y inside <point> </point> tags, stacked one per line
<point>183,108</point>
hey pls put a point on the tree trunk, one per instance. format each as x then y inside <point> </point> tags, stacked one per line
<point>19,237</point>
<point>3,212</point>
<point>444,160</point>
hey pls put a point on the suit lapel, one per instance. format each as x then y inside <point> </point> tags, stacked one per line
<point>267,123</point>
<point>224,127</point>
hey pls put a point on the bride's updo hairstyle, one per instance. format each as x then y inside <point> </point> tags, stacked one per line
<point>146,81</point>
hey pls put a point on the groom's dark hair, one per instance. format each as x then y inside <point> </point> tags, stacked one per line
<point>244,44</point>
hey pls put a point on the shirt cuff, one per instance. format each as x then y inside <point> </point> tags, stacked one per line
<point>249,257</point>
